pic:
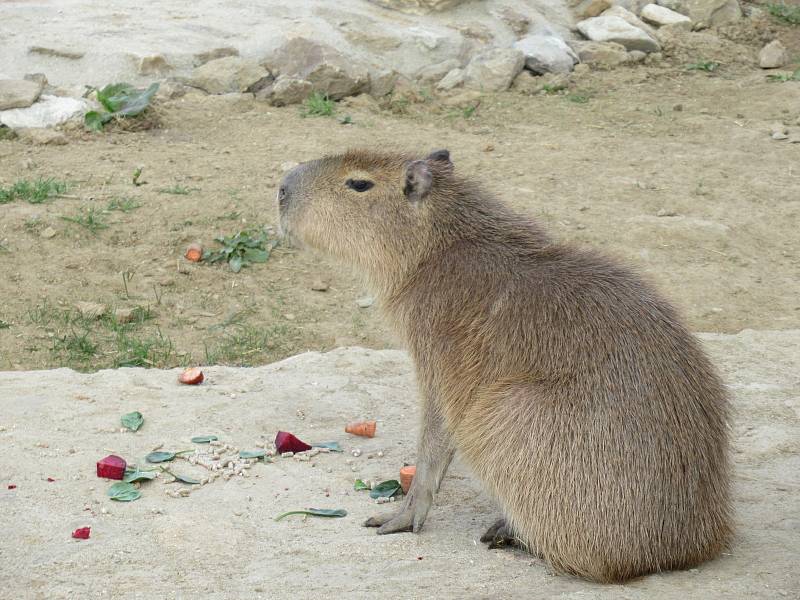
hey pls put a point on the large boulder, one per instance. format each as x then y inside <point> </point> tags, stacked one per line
<point>615,29</point>
<point>546,54</point>
<point>600,54</point>
<point>228,75</point>
<point>712,13</point>
<point>494,70</point>
<point>286,90</point>
<point>773,56</point>
<point>418,7</point>
<point>661,16</point>
<point>328,71</point>
<point>18,93</point>
<point>631,18</point>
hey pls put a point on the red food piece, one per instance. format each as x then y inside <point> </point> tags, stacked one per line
<point>111,467</point>
<point>82,533</point>
<point>191,376</point>
<point>50,479</point>
<point>12,486</point>
<point>286,442</point>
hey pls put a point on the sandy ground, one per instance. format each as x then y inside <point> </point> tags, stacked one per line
<point>221,541</point>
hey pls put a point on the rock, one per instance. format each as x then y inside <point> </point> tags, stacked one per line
<point>546,54</point>
<point>773,56</point>
<point>434,73</point>
<point>494,70</point>
<point>660,16</point>
<point>124,315</point>
<point>635,57</point>
<point>18,93</point>
<point>41,136</point>
<point>418,7</point>
<point>779,136</point>
<point>600,54</point>
<point>678,6</point>
<point>328,71</point>
<point>365,302</point>
<point>229,75</point>
<point>56,52</point>
<point>171,89</point>
<point>663,212</point>
<point>777,128</point>
<point>39,78</point>
<point>319,286</point>
<point>794,136</point>
<point>629,17</point>
<point>286,90</point>
<point>382,82</point>
<point>452,80</point>
<point>614,29</point>
<point>591,8</point>
<point>48,233</point>
<point>202,58</point>
<point>529,84</point>
<point>48,111</point>
<point>711,13</point>
<point>153,65</point>
<point>90,310</point>
<point>516,21</point>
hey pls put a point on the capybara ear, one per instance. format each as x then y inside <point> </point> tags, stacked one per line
<point>442,156</point>
<point>419,180</point>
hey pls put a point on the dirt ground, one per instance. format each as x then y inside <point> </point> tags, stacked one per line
<point>596,164</point>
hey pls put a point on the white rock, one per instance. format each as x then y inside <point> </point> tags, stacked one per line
<point>418,7</point>
<point>773,56</point>
<point>494,70</point>
<point>453,79</point>
<point>546,54</point>
<point>433,73</point>
<point>48,111</point>
<point>711,13</point>
<point>659,16</point>
<point>230,74</point>
<point>602,54</point>
<point>631,18</point>
<point>678,6</point>
<point>615,29</point>
<point>365,302</point>
<point>286,90</point>
<point>18,93</point>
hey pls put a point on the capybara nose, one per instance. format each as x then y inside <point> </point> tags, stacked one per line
<point>282,196</point>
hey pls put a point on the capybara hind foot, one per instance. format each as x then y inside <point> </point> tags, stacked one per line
<point>500,535</point>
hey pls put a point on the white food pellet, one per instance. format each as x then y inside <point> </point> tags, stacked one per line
<point>356,453</point>
<point>380,454</point>
<point>184,491</point>
<point>287,455</point>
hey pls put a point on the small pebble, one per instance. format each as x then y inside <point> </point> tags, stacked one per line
<point>319,286</point>
<point>356,452</point>
<point>380,454</point>
<point>184,492</point>
<point>365,302</point>
<point>259,444</point>
<point>156,511</point>
<point>104,510</point>
<point>381,500</point>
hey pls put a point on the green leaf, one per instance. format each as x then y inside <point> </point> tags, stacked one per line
<point>315,512</point>
<point>252,453</point>
<point>255,255</point>
<point>332,446</point>
<point>159,457</point>
<point>113,96</point>
<point>132,420</point>
<point>235,263</point>
<point>137,101</point>
<point>204,439</point>
<point>92,120</point>
<point>132,475</point>
<point>181,478</point>
<point>385,489</point>
<point>123,491</point>
<point>359,485</point>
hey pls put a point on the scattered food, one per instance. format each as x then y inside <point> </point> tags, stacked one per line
<point>242,249</point>
<point>180,478</point>
<point>315,512</point>
<point>252,453</point>
<point>286,442</point>
<point>332,446</point>
<point>204,439</point>
<point>359,485</point>
<point>385,489</point>
<point>119,100</point>
<point>134,475</point>
<point>50,479</point>
<point>191,376</point>
<point>362,428</point>
<point>407,476</point>
<point>194,253</point>
<point>82,533</point>
<point>111,467</point>
<point>132,420</point>
<point>12,486</point>
<point>159,457</point>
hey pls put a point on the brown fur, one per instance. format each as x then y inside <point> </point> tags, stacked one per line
<point>567,384</point>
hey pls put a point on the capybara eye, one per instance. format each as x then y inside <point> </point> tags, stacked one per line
<point>359,185</point>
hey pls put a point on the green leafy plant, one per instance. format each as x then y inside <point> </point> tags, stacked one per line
<point>783,12</point>
<point>120,100</point>
<point>709,66</point>
<point>579,98</point>
<point>204,439</point>
<point>315,512</point>
<point>385,489</point>
<point>136,178</point>
<point>242,249</point>
<point>90,218</point>
<point>34,192</point>
<point>318,105</point>
<point>784,77</point>
<point>123,491</point>
<point>132,420</point>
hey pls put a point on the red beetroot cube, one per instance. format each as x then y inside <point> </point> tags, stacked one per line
<point>82,533</point>
<point>286,442</point>
<point>111,467</point>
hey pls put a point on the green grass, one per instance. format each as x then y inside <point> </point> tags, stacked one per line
<point>785,13</point>
<point>150,351</point>
<point>89,218</point>
<point>176,190</point>
<point>709,66</point>
<point>34,192</point>
<point>247,346</point>
<point>318,105</point>
<point>579,98</point>
<point>4,324</point>
<point>125,205</point>
<point>74,348</point>
<point>784,77</point>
